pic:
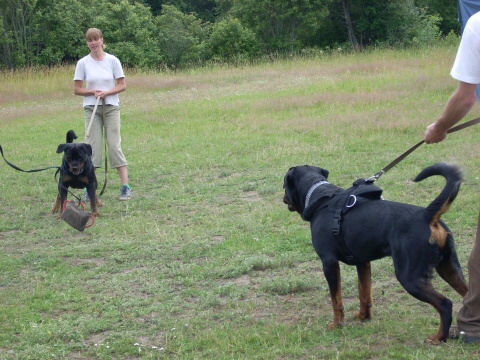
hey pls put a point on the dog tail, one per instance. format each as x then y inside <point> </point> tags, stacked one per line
<point>71,136</point>
<point>454,177</point>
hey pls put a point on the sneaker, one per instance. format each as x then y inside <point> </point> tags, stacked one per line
<point>125,193</point>
<point>471,339</point>
<point>85,196</point>
<point>455,333</point>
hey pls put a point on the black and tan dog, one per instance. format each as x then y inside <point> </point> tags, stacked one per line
<point>77,171</point>
<point>355,230</point>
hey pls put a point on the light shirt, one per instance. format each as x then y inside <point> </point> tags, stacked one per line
<point>99,75</point>
<point>466,67</point>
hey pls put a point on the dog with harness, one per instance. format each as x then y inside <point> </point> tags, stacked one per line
<point>77,172</point>
<point>356,226</point>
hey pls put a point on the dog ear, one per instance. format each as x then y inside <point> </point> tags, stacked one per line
<point>61,148</point>
<point>88,149</point>
<point>324,172</point>
<point>288,177</point>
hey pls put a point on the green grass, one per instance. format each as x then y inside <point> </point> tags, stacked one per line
<point>206,261</point>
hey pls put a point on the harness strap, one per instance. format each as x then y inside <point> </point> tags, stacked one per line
<point>336,231</point>
<point>337,218</point>
<point>360,191</point>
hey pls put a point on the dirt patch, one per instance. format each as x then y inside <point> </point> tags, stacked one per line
<point>97,262</point>
<point>250,196</point>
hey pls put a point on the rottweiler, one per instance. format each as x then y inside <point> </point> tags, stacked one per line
<point>357,229</point>
<point>77,171</point>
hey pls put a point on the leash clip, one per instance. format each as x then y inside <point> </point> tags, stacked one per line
<point>375,177</point>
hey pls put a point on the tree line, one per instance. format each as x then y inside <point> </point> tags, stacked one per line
<point>183,33</point>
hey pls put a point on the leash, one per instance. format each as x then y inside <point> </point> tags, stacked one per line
<point>37,170</point>
<point>414,147</point>
<point>87,132</point>
<point>105,146</point>
<point>26,171</point>
<point>87,135</point>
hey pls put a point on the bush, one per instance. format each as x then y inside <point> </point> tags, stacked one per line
<point>128,31</point>
<point>229,40</point>
<point>410,25</point>
<point>179,36</point>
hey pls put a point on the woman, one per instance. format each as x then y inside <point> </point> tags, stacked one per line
<point>105,79</point>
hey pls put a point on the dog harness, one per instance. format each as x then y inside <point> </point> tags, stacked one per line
<point>344,201</point>
<point>361,192</point>
<point>339,202</point>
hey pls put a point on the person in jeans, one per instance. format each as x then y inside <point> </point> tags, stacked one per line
<point>104,78</point>
<point>466,69</point>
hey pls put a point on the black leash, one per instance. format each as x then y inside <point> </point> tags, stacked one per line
<point>27,171</point>
<point>414,147</point>
<point>37,170</point>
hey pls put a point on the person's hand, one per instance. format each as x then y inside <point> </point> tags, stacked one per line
<point>434,134</point>
<point>100,94</point>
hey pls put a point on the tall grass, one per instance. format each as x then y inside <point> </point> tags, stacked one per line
<point>206,261</point>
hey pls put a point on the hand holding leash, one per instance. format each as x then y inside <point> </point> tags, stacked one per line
<point>414,147</point>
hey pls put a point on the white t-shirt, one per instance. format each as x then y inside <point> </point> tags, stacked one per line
<point>99,75</point>
<point>466,67</point>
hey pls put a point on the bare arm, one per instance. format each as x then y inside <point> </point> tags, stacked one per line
<point>459,104</point>
<point>78,89</point>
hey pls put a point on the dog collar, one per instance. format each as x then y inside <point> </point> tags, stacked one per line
<point>312,189</point>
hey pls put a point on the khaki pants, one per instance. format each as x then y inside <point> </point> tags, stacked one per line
<point>468,319</point>
<point>111,124</point>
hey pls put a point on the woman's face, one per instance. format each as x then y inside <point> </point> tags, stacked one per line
<point>95,44</point>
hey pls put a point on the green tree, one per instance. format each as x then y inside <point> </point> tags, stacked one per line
<point>6,59</point>
<point>223,7</point>
<point>179,35</point>
<point>18,32</point>
<point>203,9</point>
<point>61,29</point>
<point>229,41</point>
<point>282,24</point>
<point>128,30</point>
<point>445,10</point>
<point>411,25</point>
<point>389,22</point>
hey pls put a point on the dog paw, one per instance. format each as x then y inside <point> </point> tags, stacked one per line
<point>95,213</point>
<point>434,340</point>
<point>334,325</point>
<point>362,316</point>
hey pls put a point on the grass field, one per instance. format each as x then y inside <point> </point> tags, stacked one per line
<point>205,261</point>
